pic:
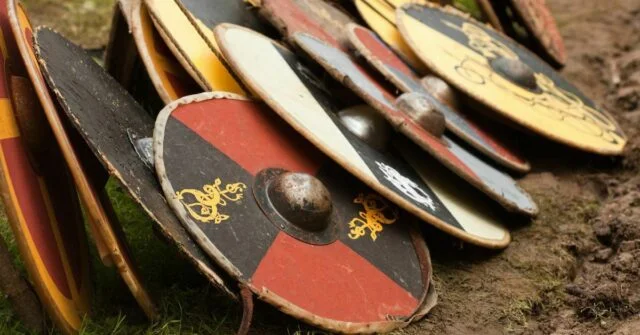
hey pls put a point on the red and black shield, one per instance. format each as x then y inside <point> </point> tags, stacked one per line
<point>218,157</point>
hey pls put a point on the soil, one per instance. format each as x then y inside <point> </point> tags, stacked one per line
<point>576,268</point>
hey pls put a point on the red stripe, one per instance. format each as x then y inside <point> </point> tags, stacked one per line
<point>297,21</point>
<point>331,281</point>
<point>379,50</point>
<point>267,141</point>
<point>496,146</point>
<point>33,208</point>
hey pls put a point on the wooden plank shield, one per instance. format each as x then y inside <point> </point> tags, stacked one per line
<point>380,16</point>
<point>38,196</point>
<point>297,98</point>
<point>385,61</point>
<point>107,117</point>
<point>493,182</point>
<point>205,15</point>
<point>136,49</point>
<point>88,175</point>
<point>356,265</point>
<point>292,16</point>
<point>188,46</point>
<point>508,78</point>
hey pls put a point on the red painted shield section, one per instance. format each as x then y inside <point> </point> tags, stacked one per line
<point>380,50</point>
<point>311,277</point>
<point>315,277</point>
<point>273,144</point>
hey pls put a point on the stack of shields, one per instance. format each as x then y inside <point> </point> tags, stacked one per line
<point>291,150</point>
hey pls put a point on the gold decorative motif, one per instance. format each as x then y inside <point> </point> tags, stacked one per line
<point>551,101</point>
<point>483,43</point>
<point>203,205</point>
<point>373,216</point>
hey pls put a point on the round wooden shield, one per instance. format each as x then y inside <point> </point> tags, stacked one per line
<point>38,195</point>
<point>169,78</point>
<point>287,87</point>
<point>542,34</point>
<point>205,15</point>
<point>292,16</point>
<point>381,18</point>
<point>508,78</point>
<point>488,179</point>
<point>219,158</point>
<point>107,117</point>
<point>83,170</point>
<point>383,59</point>
<point>190,48</point>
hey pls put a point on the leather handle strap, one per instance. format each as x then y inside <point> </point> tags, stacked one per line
<point>247,310</point>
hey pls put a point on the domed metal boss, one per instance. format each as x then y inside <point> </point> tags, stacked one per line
<point>418,107</point>
<point>366,124</point>
<point>298,204</point>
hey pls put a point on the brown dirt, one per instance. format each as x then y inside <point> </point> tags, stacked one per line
<point>576,268</point>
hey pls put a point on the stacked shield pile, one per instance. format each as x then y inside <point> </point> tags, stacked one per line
<point>291,150</point>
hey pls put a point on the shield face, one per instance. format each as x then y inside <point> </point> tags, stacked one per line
<point>190,48</point>
<point>38,195</point>
<point>317,16</point>
<point>542,34</point>
<point>89,177</point>
<point>509,79</point>
<point>493,182</point>
<point>168,78</point>
<point>206,15</point>
<point>106,116</point>
<point>298,100</point>
<point>380,16</point>
<point>385,61</point>
<point>215,154</point>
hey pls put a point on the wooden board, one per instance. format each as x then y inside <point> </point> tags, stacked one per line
<point>364,279</point>
<point>462,52</point>
<point>106,127</point>
<point>191,50</point>
<point>531,23</point>
<point>385,61</point>
<point>298,100</point>
<point>488,179</point>
<point>381,18</point>
<point>98,207</point>
<point>96,199</point>
<point>169,79</point>
<point>38,196</point>
<point>292,16</point>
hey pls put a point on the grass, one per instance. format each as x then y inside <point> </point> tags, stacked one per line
<point>187,303</point>
<point>86,22</point>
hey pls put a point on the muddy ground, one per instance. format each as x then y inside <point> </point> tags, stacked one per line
<point>576,268</point>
